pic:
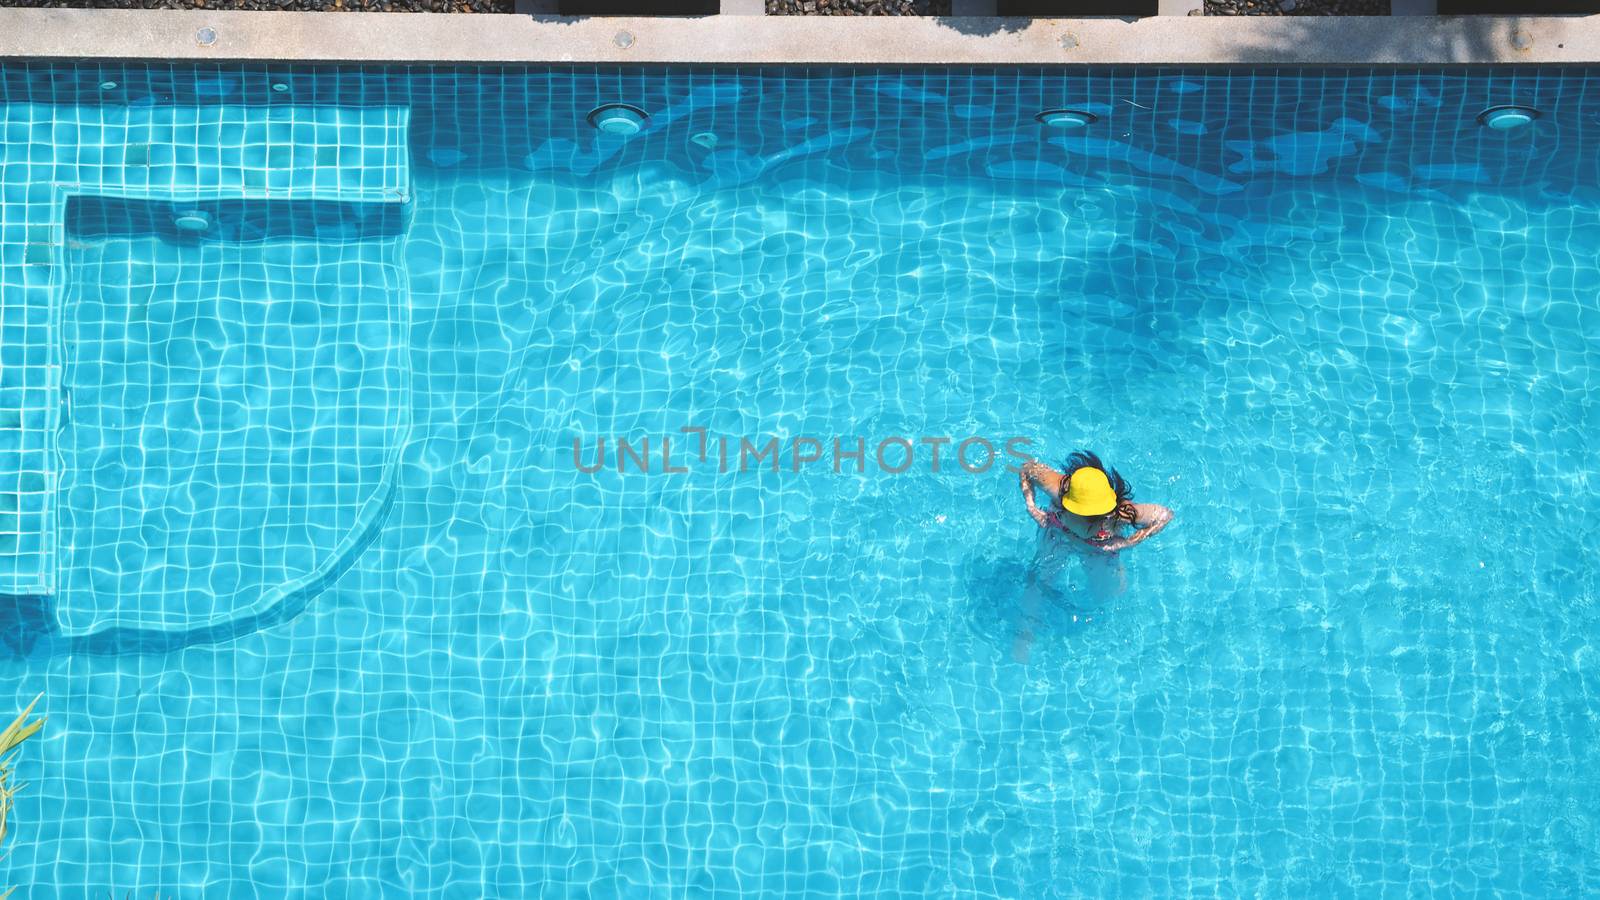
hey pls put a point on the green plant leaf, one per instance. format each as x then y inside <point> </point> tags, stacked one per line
<point>15,733</point>
<point>20,729</point>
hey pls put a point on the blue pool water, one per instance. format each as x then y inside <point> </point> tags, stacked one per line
<point>294,543</point>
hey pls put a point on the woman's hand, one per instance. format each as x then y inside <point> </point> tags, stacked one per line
<point>1150,518</point>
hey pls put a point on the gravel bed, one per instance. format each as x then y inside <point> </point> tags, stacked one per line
<point>858,7</point>
<point>1297,7</point>
<point>440,6</point>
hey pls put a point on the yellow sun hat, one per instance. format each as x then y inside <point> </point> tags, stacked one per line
<point>1089,493</point>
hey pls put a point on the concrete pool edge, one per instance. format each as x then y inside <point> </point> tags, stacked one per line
<point>198,35</point>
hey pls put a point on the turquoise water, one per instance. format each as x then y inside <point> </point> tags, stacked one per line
<point>322,605</point>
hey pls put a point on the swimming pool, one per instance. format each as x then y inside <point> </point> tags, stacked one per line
<point>324,604</point>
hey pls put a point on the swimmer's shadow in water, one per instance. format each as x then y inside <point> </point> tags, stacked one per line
<point>997,602</point>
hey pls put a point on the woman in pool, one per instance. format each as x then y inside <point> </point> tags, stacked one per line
<point>1087,516</point>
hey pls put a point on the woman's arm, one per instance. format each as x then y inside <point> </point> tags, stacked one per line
<point>1033,473</point>
<point>1149,519</point>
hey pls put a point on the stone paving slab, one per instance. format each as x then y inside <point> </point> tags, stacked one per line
<point>400,37</point>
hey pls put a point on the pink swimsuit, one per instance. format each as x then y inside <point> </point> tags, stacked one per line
<point>1100,536</point>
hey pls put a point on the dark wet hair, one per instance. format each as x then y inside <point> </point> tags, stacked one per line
<point>1083,459</point>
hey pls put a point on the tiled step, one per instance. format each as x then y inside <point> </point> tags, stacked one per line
<point>166,156</point>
